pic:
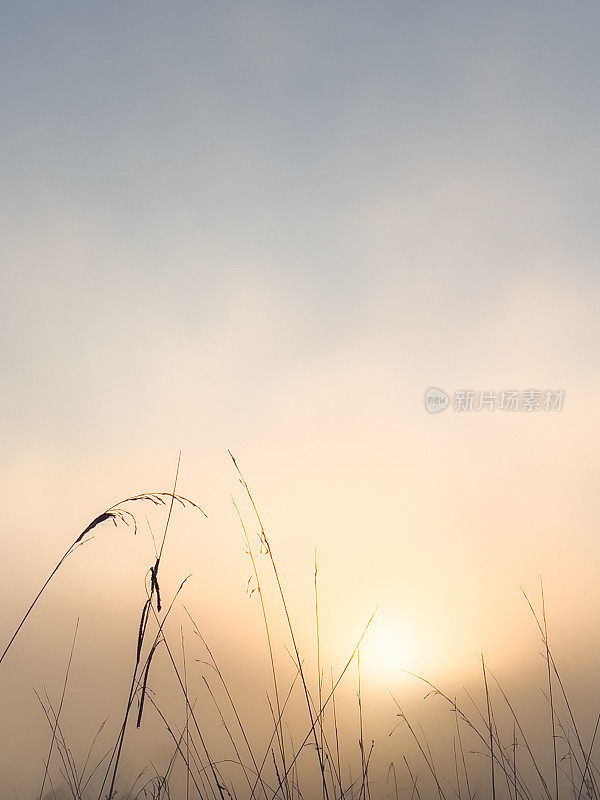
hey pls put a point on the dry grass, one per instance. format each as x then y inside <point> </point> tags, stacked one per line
<point>283,769</point>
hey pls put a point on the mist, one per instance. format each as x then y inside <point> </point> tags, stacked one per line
<point>262,232</point>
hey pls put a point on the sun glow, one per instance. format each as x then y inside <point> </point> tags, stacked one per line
<point>390,648</point>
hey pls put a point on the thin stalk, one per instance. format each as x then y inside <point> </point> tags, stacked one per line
<point>489,713</point>
<point>58,713</point>
<point>550,695</point>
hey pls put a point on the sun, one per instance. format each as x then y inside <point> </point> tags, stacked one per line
<point>390,647</point>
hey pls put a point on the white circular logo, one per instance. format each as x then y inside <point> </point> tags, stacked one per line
<point>436,400</point>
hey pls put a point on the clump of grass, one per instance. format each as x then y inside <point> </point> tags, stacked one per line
<point>279,768</point>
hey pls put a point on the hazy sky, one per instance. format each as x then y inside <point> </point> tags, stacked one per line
<point>270,227</point>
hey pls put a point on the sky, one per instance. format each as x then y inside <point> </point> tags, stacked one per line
<point>269,228</point>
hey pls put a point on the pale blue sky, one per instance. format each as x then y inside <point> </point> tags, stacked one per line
<point>272,225</point>
<point>350,162</point>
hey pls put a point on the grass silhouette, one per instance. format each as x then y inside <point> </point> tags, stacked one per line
<point>282,769</point>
